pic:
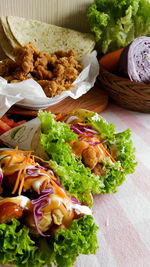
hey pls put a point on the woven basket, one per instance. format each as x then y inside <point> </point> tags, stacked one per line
<point>128,94</point>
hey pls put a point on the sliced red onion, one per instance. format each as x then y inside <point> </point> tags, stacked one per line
<point>76,129</point>
<point>95,143</point>
<point>88,129</point>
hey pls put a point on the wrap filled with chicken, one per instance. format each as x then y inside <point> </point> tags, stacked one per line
<point>38,219</point>
<point>86,152</point>
<point>83,149</point>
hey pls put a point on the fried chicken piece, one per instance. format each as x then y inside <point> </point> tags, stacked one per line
<point>42,74</point>
<point>92,156</point>
<point>7,66</point>
<point>89,157</point>
<point>54,72</point>
<point>78,147</point>
<point>68,53</point>
<point>18,76</point>
<point>9,211</point>
<point>24,56</point>
<point>49,87</point>
<point>46,60</point>
<point>59,71</point>
<point>98,169</point>
<point>75,63</point>
<point>71,74</point>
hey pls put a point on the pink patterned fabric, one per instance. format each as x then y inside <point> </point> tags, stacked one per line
<point>124,217</point>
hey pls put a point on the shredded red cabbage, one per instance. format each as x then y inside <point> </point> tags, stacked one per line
<point>33,171</point>
<point>79,129</point>
<point>74,200</point>
<point>95,143</point>
<point>37,212</point>
<point>88,129</point>
<point>39,204</point>
<point>48,191</point>
<point>1,176</point>
<point>58,183</point>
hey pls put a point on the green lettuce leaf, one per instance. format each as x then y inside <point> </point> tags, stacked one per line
<point>18,249</point>
<point>80,238</point>
<point>116,23</point>
<point>126,162</point>
<point>74,176</point>
<point>77,179</point>
<point>16,246</point>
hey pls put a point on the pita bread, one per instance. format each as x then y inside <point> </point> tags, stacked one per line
<point>50,38</point>
<point>5,44</point>
<point>8,32</point>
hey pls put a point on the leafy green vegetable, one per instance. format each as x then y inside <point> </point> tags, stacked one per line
<point>18,249</point>
<point>77,179</point>
<point>16,246</point>
<point>116,23</point>
<point>80,238</point>
<point>125,164</point>
<point>74,176</point>
<point>105,129</point>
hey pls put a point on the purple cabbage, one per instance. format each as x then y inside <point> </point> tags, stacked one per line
<point>135,60</point>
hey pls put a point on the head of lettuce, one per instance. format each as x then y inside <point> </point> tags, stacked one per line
<point>116,23</point>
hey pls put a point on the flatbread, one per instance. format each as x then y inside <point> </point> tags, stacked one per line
<point>50,38</point>
<point>8,32</point>
<point>5,44</point>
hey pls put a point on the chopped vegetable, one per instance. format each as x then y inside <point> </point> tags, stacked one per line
<point>7,124</point>
<point>110,60</point>
<point>48,225</point>
<point>19,248</point>
<point>75,177</point>
<point>134,61</point>
<point>116,23</point>
<point>4,127</point>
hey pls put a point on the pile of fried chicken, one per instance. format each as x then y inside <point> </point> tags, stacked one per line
<point>54,72</point>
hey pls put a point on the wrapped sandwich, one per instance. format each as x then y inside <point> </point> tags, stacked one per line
<point>81,147</point>
<point>39,222</point>
<point>86,152</point>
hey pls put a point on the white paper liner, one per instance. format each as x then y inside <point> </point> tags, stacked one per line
<point>22,135</point>
<point>29,94</point>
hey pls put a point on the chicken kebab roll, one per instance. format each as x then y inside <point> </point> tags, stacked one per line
<point>39,222</point>
<point>86,151</point>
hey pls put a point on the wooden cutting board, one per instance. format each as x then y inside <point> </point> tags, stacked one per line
<point>95,100</point>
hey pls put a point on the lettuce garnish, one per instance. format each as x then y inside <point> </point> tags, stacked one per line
<point>77,179</point>
<point>74,176</point>
<point>116,23</point>
<point>125,164</point>
<point>18,248</point>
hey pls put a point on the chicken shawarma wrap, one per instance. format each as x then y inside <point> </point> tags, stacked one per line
<point>84,150</point>
<point>38,219</point>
